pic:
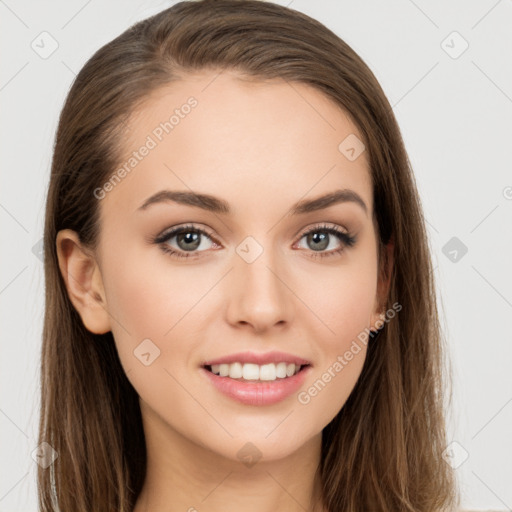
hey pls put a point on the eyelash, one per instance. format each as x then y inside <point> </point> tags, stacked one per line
<point>346,239</point>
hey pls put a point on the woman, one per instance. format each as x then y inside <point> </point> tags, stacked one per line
<point>240,307</point>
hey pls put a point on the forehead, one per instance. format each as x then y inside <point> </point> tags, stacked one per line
<point>250,141</point>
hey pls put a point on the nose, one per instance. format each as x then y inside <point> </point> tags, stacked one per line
<point>259,296</point>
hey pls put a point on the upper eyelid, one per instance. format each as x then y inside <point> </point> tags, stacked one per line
<point>323,225</point>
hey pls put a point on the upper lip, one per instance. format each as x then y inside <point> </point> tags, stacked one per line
<point>258,358</point>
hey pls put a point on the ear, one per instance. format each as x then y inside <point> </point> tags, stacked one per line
<point>84,284</point>
<point>384,280</point>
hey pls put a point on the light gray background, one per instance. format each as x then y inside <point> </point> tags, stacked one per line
<point>456,119</point>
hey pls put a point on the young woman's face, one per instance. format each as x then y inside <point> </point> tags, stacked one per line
<point>244,277</point>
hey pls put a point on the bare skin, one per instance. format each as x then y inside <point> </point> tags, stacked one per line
<point>261,147</point>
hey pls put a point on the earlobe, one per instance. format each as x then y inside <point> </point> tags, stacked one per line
<point>83,280</point>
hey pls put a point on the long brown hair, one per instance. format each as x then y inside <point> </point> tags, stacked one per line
<point>383,451</point>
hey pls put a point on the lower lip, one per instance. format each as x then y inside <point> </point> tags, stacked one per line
<point>258,393</point>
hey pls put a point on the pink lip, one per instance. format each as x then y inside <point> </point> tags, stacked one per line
<point>256,358</point>
<point>258,393</point>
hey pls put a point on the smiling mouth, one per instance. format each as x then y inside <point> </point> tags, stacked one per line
<point>249,372</point>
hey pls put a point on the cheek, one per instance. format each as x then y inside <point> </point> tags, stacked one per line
<point>341,353</point>
<point>147,308</point>
<point>147,297</point>
<point>325,394</point>
<point>159,314</point>
<point>344,305</point>
<point>343,301</point>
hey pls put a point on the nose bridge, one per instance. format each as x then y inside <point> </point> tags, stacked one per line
<point>260,297</point>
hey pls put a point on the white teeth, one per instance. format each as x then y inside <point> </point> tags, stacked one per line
<point>251,371</point>
<point>268,372</point>
<point>281,370</point>
<point>235,371</point>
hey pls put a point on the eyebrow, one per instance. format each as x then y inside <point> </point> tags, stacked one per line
<point>217,205</point>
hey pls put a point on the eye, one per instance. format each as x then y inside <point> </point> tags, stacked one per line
<point>189,240</point>
<point>320,237</point>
